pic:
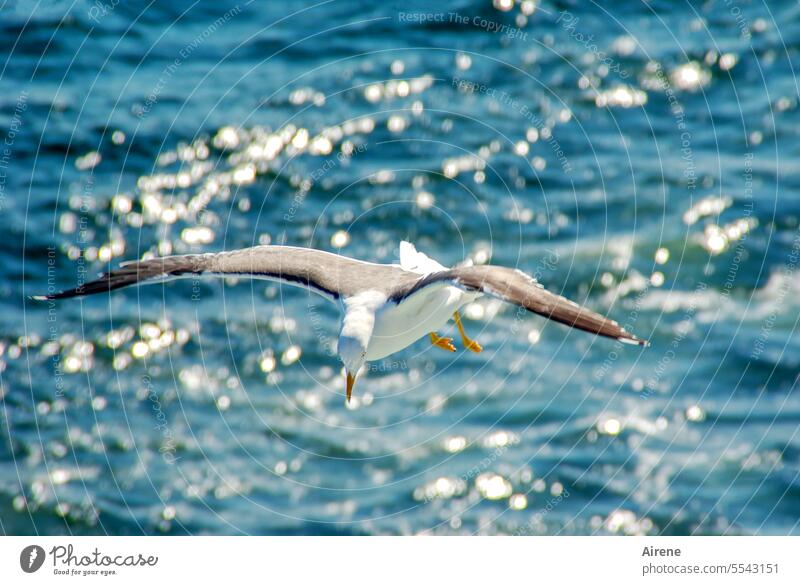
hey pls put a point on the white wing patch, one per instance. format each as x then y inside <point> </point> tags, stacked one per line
<point>417,262</point>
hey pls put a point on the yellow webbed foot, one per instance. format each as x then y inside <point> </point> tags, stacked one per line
<point>442,342</point>
<point>470,344</point>
<point>473,345</point>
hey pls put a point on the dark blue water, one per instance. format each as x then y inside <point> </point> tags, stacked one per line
<point>638,157</point>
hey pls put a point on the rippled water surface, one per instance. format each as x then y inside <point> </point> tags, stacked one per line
<point>638,157</point>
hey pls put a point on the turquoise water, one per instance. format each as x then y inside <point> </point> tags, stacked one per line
<point>638,158</point>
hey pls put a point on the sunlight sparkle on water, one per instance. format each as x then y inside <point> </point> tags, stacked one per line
<point>621,96</point>
<point>340,239</point>
<point>493,486</point>
<point>711,205</point>
<point>455,444</point>
<point>441,488</point>
<point>610,426</point>
<point>691,76</point>
<point>425,200</point>
<point>291,355</point>
<point>695,414</point>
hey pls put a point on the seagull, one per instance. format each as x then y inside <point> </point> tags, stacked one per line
<point>385,307</point>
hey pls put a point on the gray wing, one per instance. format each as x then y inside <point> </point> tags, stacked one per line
<point>520,289</point>
<point>328,274</point>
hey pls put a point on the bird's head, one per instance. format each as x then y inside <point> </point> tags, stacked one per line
<point>353,352</point>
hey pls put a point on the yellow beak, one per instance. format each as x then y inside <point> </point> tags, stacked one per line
<point>351,381</point>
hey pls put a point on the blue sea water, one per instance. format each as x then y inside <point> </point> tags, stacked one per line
<point>640,158</point>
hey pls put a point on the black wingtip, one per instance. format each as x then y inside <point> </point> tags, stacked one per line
<point>64,294</point>
<point>52,297</point>
<point>633,340</point>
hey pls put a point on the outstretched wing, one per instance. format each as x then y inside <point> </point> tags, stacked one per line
<point>328,274</point>
<point>520,289</point>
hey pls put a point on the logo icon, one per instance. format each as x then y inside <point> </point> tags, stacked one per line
<point>31,558</point>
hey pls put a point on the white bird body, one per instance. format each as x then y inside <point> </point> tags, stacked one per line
<point>398,325</point>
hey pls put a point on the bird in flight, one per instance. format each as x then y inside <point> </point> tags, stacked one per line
<point>385,307</point>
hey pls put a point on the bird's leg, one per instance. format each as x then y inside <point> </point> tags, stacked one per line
<point>442,342</point>
<point>470,344</point>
